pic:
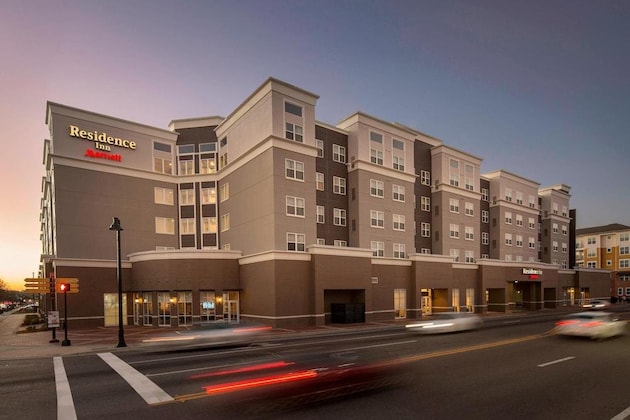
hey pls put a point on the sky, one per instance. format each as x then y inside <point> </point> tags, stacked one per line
<point>539,88</point>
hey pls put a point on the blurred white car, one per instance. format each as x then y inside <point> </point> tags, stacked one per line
<point>219,333</point>
<point>445,322</point>
<point>592,324</point>
<point>596,304</point>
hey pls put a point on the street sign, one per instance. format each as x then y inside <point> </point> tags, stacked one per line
<point>73,282</point>
<point>36,285</point>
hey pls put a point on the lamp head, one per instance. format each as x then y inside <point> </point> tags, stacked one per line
<point>116,225</point>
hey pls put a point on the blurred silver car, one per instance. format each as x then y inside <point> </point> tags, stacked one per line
<point>596,304</point>
<point>592,324</point>
<point>445,322</point>
<point>219,333</point>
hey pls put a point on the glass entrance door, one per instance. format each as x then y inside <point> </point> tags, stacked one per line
<point>231,309</point>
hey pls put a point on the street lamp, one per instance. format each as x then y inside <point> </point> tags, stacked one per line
<point>121,334</point>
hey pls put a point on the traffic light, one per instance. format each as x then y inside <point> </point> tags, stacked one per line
<point>64,287</point>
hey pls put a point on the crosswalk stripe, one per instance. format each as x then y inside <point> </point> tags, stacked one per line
<point>146,388</point>
<point>65,403</point>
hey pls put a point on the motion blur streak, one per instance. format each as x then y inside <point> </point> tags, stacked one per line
<point>254,368</point>
<point>264,381</point>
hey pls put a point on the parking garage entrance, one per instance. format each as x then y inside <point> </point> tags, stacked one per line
<point>344,306</point>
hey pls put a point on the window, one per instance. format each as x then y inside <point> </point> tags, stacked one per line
<point>377,218</point>
<point>519,220</point>
<point>224,192</point>
<point>186,167</point>
<point>208,196</point>
<point>591,253</point>
<point>339,217</point>
<point>340,243</point>
<point>165,225</point>
<point>469,171</point>
<point>470,233</point>
<point>508,239</point>
<point>624,250</point>
<point>162,158</point>
<point>296,241</point>
<point>319,181</point>
<point>207,147</point>
<point>453,205</point>
<point>454,253</point>
<point>625,263</point>
<point>186,197</point>
<point>484,194</point>
<point>564,247</point>
<point>554,228</point>
<point>339,185</point>
<point>519,197</point>
<point>565,230</point>
<point>519,240</point>
<point>454,172</point>
<point>485,216</point>
<point>398,193</point>
<point>555,246</point>
<point>320,148</point>
<point>425,251</point>
<point>378,248</point>
<point>485,238</point>
<point>508,195</point>
<point>532,243</point>
<point>425,177</point>
<point>186,149</point>
<point>508,218</point>
<point>425,203</point>
<point>225,222</point>
<point>207,165</point>
<point>398,222</point>
<point>399,250</point>
<point>376,137</point>
<point>294,132</point>
<point>470,209</point>
<point>454,231</point>
<point>339,153</point>
<point>376,156</point>
<point>320,241</point>
<point>531,223</point>
<point>623,237</point>
<point>377,188</point>
<point>320,212</point>
<point>425,229</point>
<point>223,160</point>
<point>470,257</point>
<point>187,226</point>
<point>293,109</point>
<point>532,202</point>
<point>295,206</point>
<point>398,163</point>
<point>294,169</point>
<point>163,196</point>
<point>398,145</point>
<point>209,225</point>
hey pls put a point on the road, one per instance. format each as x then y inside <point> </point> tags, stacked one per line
<point>518,371</point>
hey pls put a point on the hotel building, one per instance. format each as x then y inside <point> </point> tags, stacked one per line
<point>270,215</point>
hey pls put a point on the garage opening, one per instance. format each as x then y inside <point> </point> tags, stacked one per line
<point>344,306</point>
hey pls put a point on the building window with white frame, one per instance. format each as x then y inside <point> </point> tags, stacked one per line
<point>425,203</point>
<point>294,132</point>
<point>454,231</point>
<point>377,188</point>
<point>469,172</point>
<point>454,172</point>
<point>293,109</point>
<point>187,226</point>
<point>376,156</point>
<point>532,202</point>
<point>485,216</point>
<point>319,181</point>
<point>339,153</point>
<point>508,194</point>
<point>186,167</point>
<point>453,205</point>
<point>294,169</point>
<point>296,241</point>
<point>508,218</point>
<point>378,248</point>
<point>554,245</point>
<point>186,197</point>
<point>565,230</point>
<point>508,239</point>
<point>398,222</point>
<point>398,163</point>
<point>425,251</point>
<point>625,263</point>
<point>398,193</point>
<point>485,238</point>
<point>425,229</point>
<point>425,177</point>
<point>224,191</point>
<point>295,206</point>
<point>519,220</point>
<point>519,197</point>
<point>564,248</point>
<point>320,148</point>
<point>454,254</point>
<point>532,243</point>
<point>470,233</point>
<point>320,241</point>
<point>519,241</point>
<point>399,250</point>
<point>531,223</point>
<point>162,158</point>
<point>470,257</point>
<point>321,218</point>
<point>208,196</point>
<point>340,243</point>
<point>339,185</point>
<point>485,195</point>
<point>377,219</point>
<point>163,196</point>
<point>165,225</point>
<point>554,228</point>
<point>225,222</point>
<point>469,208</point>
<point>207,165</point>
<point>209,224</point>
<point>339,217</point>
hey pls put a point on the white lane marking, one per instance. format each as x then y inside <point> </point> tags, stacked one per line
<point>146,388</point>
<point>623,415</point>
<point>65,403</point>
<point>556,361</point>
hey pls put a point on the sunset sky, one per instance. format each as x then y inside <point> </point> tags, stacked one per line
<point>539,88</point>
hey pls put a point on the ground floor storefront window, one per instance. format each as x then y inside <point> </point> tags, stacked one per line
<point>110,309</point>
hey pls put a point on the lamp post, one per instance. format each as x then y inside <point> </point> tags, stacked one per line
<point>121,334</point>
